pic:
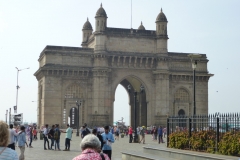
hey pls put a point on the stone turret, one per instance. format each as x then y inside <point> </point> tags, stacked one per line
<point>161,24</point>
<point>141,27</point>
<point>86,32</point>
<point>161,31</point>
<point>100,20</point>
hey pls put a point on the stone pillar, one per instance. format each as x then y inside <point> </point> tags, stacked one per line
<point>102,106</point>
<point>52,101</point>
<point>161,98</point>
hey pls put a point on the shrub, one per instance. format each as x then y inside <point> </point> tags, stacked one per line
<point>230,144</point>
<point>179,140</point>
<point>203,140</point>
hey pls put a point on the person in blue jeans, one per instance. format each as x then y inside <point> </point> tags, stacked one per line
<point>108,139</point>
<point>160,133</point>
<point>57,136</point>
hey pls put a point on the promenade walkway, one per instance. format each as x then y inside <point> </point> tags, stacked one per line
<point>38,153</point>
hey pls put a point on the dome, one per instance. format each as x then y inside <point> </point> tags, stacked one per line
<point>87,25</point>
<point>161,17</point>
<point>101,12</point>
<point>141,27</point>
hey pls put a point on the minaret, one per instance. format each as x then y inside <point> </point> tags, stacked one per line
<point>86,33</point>
<point>161,31</point>
<point>100,20</point>
<point>141,27</point>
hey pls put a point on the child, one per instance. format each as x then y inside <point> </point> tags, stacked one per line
<point>22,142</point>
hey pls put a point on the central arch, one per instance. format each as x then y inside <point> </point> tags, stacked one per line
<point>141,102</point>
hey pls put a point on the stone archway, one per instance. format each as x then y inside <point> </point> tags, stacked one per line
<point>141,102</point>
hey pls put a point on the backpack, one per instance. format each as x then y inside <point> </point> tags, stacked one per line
<point>56,135</point>
<point>87,131</point>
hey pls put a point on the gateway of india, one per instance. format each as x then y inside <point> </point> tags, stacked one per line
<point>138,59</point>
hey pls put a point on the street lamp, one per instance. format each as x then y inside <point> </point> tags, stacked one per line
<point>194,59</point>
<point>6,115</point>
<point>78,104</point>
<point>135,138</point>
<point>15,107</point>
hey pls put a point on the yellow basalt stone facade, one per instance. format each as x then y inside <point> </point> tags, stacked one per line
<point>134,58</point>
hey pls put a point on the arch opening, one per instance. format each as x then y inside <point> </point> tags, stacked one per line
<point>132,85</point>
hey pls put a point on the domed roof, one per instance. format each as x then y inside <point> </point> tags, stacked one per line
<point>87,25</point>
<point>141,27</point>
<point>101,12</point>
<point>161,17</point>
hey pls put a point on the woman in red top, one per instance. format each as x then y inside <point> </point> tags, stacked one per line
<point>130,134</point>
<point>34,131</point>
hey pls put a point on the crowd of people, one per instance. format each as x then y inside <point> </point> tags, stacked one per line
<point>96,143</point>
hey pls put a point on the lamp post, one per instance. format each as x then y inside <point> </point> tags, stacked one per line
<point>135,138</point>
<point>9,116</point>
<point>6,115</point>
<point>194,59</point>
<point>78,104</point>
<point>15,107</point>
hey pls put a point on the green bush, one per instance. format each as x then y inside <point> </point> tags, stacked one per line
<point>179,140</point>
<point>203,140</point>
<point>230,144</point>
<point>206,141</point>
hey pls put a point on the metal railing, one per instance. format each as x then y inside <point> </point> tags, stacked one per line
<point>218,124</point>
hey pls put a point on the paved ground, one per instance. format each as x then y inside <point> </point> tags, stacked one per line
<point>37,152</point>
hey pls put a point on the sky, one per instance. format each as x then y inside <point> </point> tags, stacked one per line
<point>206,27</point>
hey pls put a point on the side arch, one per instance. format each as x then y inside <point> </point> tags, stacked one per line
<point>182,101</point>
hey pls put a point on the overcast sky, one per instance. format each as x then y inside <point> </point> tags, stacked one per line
<point>203,26</point>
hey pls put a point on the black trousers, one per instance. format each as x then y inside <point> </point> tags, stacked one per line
<point>130,138</point>
<point>67,143</point>
<point>46,140</point>
<point>108,152</point>
<point>12,146</point>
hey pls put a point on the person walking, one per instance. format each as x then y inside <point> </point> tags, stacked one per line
<point>6,152</point>
<point>160,134</point>
<point>85,131</point>
<point>51,136</point>
<point>96,133</point>
<point>12,133</point>
<point>108,139</point>
<point>57,137</point>
<point>34,133</point>
<point>45,136</point>
<point>155,132</point>
<point>22,142</point>
<point>67,138</point>
<point>30,136</point>
<point>142,133</point>
<point>130,131</point>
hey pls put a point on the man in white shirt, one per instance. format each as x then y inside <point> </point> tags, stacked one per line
<point>12,133</point>
<point>45,133</point>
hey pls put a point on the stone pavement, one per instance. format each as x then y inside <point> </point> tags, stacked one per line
<point>38,153</point>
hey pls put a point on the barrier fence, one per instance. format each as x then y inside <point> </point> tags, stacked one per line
<point>215,124</point>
